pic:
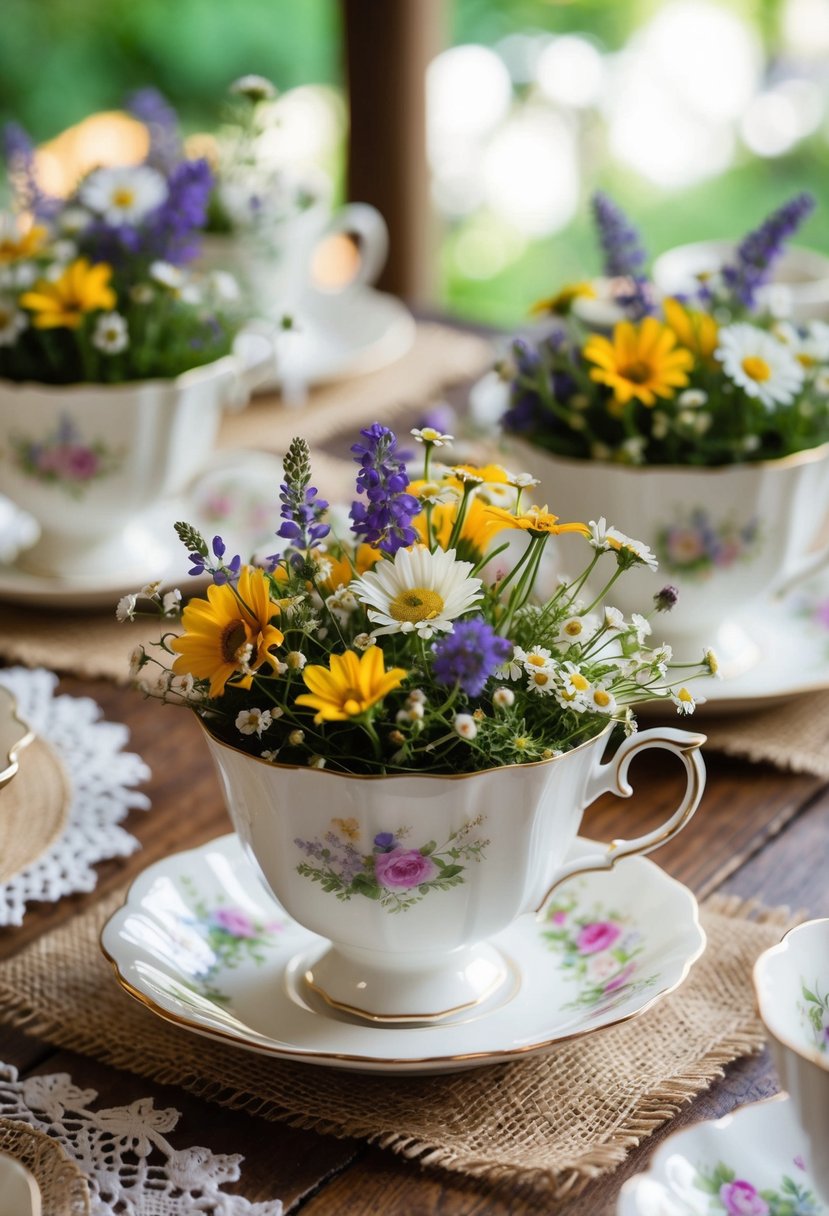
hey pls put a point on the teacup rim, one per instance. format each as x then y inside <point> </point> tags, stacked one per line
<point>425,774</point>
<point>780,948</point>
<point>803,456</point>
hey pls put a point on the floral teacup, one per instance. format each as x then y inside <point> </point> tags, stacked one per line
<point>791,981</point>
<point>409,877</point>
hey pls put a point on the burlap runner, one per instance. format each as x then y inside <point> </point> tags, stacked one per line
<point>34,808</point>
<point>793,736</point>
<point>63,1189</point>
<point>554,1122</point>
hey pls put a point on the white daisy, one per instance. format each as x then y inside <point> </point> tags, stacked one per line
<point>503,698</point>
<point>685,701</point>
<point>641,626</point>
<point>73,220</point>
<point>538,659</point>
<point>363,640</point>
<point>418,591</point>
<point>465,726</point>
<point>111,334</point>
<point>255,88</point>
<point>575,686</point>
<point>618,541</point>
<point>138,658</point>
<point>125,194</point>
<point>428,434</point>
<point>759,364</point>
<point>821,384</point>
<point>253,721</point>
<point>523,481</point>
<point>171,602</point>
<point>125,608</point>
<point>577,629</point>
<point>809,345</point>
<point>342,604</point>
<point>692,399</point>
<point>613,618</point>
<point>12,323</point>
<point>168,275</point>
<point>542,681</point>
<point>601,700</point>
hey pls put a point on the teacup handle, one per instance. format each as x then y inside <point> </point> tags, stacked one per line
<point>367,224</point>
<point>612,778</point>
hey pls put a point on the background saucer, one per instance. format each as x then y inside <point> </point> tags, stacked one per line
<point>201,943</point>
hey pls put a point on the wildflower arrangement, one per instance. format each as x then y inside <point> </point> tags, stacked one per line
<point>405,645</point>
<point>253,189</point>
<point>711,378</point>
<point>95,287</point>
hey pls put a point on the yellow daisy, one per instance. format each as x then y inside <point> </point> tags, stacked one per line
<point>349,686</point>
<point>537,520</point>
<point>477,530</point>
<point>561,304</point>
<point>80,289</point>
<point>343,567</point>
<point>642,362</point>
<point>15,245</point>
<point>228,634</point>
<point>696,331</point>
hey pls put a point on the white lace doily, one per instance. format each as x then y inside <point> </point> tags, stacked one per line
<point>130,1165</point>
<point>101,776</point>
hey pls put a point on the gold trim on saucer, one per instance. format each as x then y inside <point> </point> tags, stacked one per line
<point>11,761</point>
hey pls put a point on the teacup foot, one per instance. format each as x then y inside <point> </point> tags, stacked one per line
<point>416,992</point>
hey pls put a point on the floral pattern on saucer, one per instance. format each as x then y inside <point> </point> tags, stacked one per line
<point>598,948</point>
<point>738,1197</point>
<point>815,1014</point>
<point>695,546</point>
<point>65,459</point>
<point>394,873</point>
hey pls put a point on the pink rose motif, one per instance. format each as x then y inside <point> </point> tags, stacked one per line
<point>79,463</point>
<point>403,868</point>
<point>598,935</point>
<point>559,918</point>
<point>620,980</point>
<point>741,1199</point>
<point>233,921</point>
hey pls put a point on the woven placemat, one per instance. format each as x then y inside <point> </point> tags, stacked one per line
<point>793,736</point>
<point>34,808</point>
<point>553,1122</point>
<point>63,1188</point>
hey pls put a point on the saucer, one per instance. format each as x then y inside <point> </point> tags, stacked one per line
<point>236,496</point>
<point>751,1161</point>
<point>338,337</point>
<point>202,943</point>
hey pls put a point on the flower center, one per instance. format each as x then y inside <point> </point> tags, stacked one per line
<point>416,604</point>
<point>234,636</point>
<point>578,681</point>
<point>637,372</point>
<point>601,697</point>
<point>5,317</point>
<point>536,660</point>
<point>351,704</point>
<point>806,360</point>
<point>573,628</point>
<point>756,368</point>
<point>124,197</point>
<point>684,695</point>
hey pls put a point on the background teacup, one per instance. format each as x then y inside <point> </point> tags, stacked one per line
<point>88,461</point>
<point>309,252</point>
<point>452,861</point>
<point>724,537</point>
<point>799,288</point>
<point>791,981</point>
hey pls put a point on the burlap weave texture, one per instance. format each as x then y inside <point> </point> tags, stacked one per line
<point>553,1122</point>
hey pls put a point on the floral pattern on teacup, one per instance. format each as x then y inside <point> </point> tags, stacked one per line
<point>394,873</point>
<point>696,546</point>
<point>598,950</point>
<point>64,458</point>
<point>736,1196</point>
<point>228,936</point>
<point>815,1014</point>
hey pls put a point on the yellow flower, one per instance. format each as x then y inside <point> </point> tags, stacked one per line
<point>349,828</point>
<point>537,520</point>
<point>15,245</point>
<point>562,302</point>
<point>344,567</point>
<point>697,331</point>
<point>642,362</point>
<point>487,474</point>
<point>80,289</point>
<point>350,686</point>
<point>228,635</point>
<point>476,533</point>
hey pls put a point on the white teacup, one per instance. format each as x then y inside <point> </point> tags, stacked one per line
<point>791,981</point>
<point>408,876</point>
<point>89,461</point>
<point>724,537</point>
<point>799,287</point>
<point>280,267</point>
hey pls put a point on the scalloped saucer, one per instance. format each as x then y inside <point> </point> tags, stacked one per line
<point>201,943</point>
<point>752,1161</point>
<point>234,495</point>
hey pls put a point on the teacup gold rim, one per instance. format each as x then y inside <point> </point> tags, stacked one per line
<point>420,776</point>
<point>782,947</point>
<point>11,760</point>
<point>322,1056</point>
<point>804,456</point>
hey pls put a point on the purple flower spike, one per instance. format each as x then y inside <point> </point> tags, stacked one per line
<point>624,255</point>
<point>385,519</point>
<point>19,154</point>
<point>158,116</point>
<point>757,252</point>
<point>469,655</point>
<point>302,510</point>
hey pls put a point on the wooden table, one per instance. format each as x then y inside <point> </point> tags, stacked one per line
<point>758,833</point>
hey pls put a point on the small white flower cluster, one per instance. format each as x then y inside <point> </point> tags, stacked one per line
<point>167,604</point>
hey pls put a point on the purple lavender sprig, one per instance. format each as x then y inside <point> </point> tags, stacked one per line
<point>469,655</point>
<point>19,154</point>
<point>152,108</point>
<point>200,559</point>
<point>624,255</point>
<point>760,249</point>
<point>302,510</point>
<point>385,519</point>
